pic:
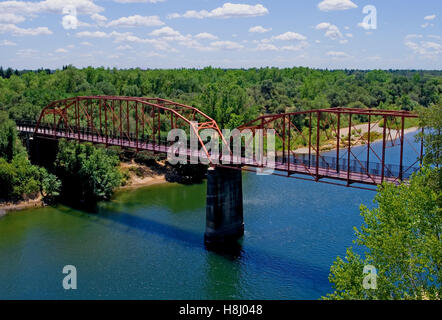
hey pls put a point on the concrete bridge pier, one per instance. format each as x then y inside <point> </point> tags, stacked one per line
<point>224,207</point>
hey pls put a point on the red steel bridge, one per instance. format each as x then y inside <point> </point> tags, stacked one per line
<point>143,124</point>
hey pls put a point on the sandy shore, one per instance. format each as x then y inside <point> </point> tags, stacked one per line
<point>146,177</point>
<point>21,205</point>
<point>141,176</point>
<point>344,132</point>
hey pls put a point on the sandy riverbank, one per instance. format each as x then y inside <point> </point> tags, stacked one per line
<point>6,207</point>
<point>142,176</point>
<point>138,176</point>
<point>355,138</point>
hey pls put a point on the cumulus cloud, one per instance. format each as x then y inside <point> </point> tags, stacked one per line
<point>17,31</point>
<point>272,47</point>
<point>424,46</point>
<point>206,35</point>
<point>61,50</point>
<point>431,17</point>
<point>11,18</point>
<point>165,31</point>
<point>259,29</point>
<point>87,7</point>
<point>227,45</point>
<point>7,43</point>
<point>228,10</point>
<point>331,31</point>
<point>99,19</point>
<point>138,1</point>
<point>335,5</point>
<point>136,21</point>
<point>337,54</point>
<point>290,36</point>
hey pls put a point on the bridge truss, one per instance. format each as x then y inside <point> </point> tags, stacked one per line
<point>301,137</point>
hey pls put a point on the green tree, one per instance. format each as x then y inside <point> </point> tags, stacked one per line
<point>87,173</point>
<point>401,239</point>
<point>431,120</point>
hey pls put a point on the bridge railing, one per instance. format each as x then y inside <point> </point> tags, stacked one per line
<point>364,168</point>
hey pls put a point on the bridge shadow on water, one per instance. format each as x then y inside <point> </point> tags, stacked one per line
<point>239,252</point>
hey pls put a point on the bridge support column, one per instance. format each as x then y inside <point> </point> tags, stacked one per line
<point>224,207</point>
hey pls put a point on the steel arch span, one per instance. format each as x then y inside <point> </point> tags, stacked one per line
<point>301,137</point>
<point>139,123</point>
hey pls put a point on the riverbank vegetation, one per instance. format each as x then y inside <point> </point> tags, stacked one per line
<point>230,96</point>
<point>401,236</point>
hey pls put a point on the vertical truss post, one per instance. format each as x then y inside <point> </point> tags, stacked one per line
<point>383,149</point>
<point>55,126</point>
<point>349,149</point>
<point>368,144</point>
<point>159,129</point>
<point>136,124</point>
<point>77,110</point>
<point>401,168</point>
<point>127,119</point>
<point>105,122</point>
<point>101,127</point>
<point>338,137</point>
<point>92,118</point>
<point>113,120</point>
<point>310,140</point>
<point>121,125</point>
<point>289,147</point>
<point>317,145</point>
<point>283,139</point>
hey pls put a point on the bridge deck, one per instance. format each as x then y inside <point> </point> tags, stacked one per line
<point>322,172</point>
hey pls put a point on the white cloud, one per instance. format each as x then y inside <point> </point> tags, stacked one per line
<point>334,5</point>
<point>259,29</point>
<point>337,54</point>
<point>124,47</point>
<point>423,47</point>
<point>349,35</point>
<point>85,43</point>
<point>11,18</point>
<point>61,50</point>
<point>139,1</point>
<point>289,36</point>
<point>99,19</point>
<point>206,35</point>
<point>427,24</point>
<point>432,17</point>
<point>87,7</point>
<point>266,47</point>
<point>17,31</point>
<point>332,32</point>
<point>92,34</point>
<point>26,53</point>
<point>227,45</point>
<point>165,31</point>
<point>7,43</point>
<point>228,10</point>
<point>136,21</point>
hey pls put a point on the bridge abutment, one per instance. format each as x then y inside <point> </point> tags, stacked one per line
<point>224,206</point>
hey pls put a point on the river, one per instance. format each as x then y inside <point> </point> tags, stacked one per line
<point>148,243</point>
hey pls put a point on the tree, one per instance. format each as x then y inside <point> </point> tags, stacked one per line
<point>402,240</point>
<point>431,120</point>
<point>401,237</point>
<point>87,173</point>
<point>8,137</point>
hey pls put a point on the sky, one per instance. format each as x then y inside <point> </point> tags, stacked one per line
<point>333,34</point>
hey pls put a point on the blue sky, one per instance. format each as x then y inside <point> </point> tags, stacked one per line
<point>232,34</point>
